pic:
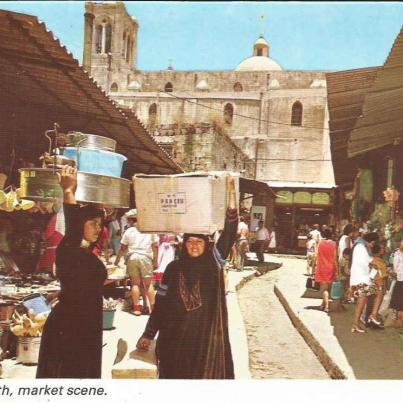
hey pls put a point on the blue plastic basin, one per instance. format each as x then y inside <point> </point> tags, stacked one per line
<point>97,161</point>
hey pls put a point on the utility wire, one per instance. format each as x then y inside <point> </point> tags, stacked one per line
<point>240,115</point>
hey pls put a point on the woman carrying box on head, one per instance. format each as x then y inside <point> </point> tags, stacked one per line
<point>190,310</point>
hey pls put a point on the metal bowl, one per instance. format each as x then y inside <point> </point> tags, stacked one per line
<point>93,141</point>
<point>41,184</point>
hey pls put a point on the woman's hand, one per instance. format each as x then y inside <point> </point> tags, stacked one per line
<point>232,202</point>
<point>68,181</point>
<point>143,344</point>
<point>68,178</point>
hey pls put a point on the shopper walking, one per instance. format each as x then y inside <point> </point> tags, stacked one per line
<point>397,296</point>
<point>326,266</point>
<point>262,239</point>
<point>242,245</point>
<point>360,281</point>
<point>142,259</point>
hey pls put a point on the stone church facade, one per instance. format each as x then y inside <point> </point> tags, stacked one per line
<point>269,123</point>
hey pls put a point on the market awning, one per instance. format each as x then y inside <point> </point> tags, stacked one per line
<point>255,187</point>
<point>346,92</point>
<point>381,122</point>
<point>41,83</point>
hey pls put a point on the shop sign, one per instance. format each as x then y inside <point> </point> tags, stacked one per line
<point>257,213</point>
<point>302,198</point>
<point>320,198</point>
<point>284,197</point>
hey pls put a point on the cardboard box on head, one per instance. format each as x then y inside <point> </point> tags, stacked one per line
<point>195,202</point>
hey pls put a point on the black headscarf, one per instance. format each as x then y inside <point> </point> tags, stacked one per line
<point>75,218</point>
<point>193,267</point>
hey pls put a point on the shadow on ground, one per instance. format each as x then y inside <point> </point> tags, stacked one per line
<point>372,355</point>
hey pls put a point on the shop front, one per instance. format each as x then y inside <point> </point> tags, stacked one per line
<point>297,210</point>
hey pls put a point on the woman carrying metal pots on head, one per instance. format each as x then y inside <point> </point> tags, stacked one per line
<point>71,345</point>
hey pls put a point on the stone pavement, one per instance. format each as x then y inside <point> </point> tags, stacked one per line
<point>345,355</point>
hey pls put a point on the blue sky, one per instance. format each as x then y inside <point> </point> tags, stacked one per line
<point>217,36</point>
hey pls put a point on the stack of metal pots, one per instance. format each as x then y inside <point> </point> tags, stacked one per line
<point>99,169</point>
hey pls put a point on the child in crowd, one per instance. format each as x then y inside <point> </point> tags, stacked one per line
<point>344,273</point>
<point>379,275</point>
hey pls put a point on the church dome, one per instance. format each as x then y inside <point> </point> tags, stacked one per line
<point>258,63</point>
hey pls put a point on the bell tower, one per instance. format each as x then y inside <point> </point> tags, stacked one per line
<point>110,44</point>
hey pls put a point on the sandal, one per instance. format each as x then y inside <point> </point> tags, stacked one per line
<point>137,310</point>
<point>357,329</point>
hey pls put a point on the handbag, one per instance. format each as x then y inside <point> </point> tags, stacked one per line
<point>312,284</point>
<point>337,290</point>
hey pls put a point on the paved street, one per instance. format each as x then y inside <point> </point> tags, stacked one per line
<point>271,327</point>
<point>373,355</point>
<point>276,349</point>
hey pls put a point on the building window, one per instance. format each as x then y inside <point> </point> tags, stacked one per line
<point>128,50</point>
<point>260,52</point>
<point>103,38</point>
<point>152,114</point>
<point>108,38</point>
<point>296,114</point>
<point>169,87</point>
<point>238,87</point>
<point>228,113</point>
<point>124,45</point>
<point>114,87</point>
<point>98,38</point>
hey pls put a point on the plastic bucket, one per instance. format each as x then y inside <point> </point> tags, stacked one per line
<point>96,161</point>
<point>336,291</point>
<point>108,317</point>
<point>28,350</point>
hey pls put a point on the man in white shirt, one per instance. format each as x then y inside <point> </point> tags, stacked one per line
<point>142,258</point>
<point>315,233</point>
<point>242,246</point>
<point>262,238</point>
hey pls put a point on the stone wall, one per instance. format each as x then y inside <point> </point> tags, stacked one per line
<point>203,146</point>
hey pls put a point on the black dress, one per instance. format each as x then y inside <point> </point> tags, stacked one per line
<point>71,345</point>
<point>191,315</point>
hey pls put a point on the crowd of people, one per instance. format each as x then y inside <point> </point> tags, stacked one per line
<point>356,267</point>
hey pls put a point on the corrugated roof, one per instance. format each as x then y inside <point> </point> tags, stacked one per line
<point>42,79</point>
<point>382,118</point>
<point>346,92</point>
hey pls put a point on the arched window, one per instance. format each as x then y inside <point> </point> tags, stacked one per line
<point>238,87</point>
<point>228,113</point>
<point>114,87</point>
<point>152,114</point>
<point>98,39</point>
<point>169,87</point>
<point>108,38</point>
<point>260,52</point>
<point>296,114</point>
<point>128,50</point>
<point>124,45</point>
